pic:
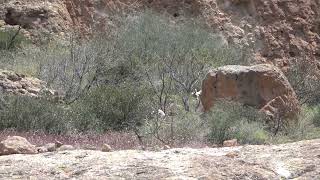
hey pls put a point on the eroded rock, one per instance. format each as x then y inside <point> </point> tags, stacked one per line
<point>299,160</point>
<point>20,84</point>
<point>66,148</point>
<point>16,145</point>
<point>262,86</point>
<point>106,148</point>
<point>230,143</point>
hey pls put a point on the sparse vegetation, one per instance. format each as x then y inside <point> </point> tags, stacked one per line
<point>10,39</point>
<point>118,82</point>
<point>231,120</point>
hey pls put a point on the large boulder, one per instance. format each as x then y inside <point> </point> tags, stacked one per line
<point>16,145</point>
<point>262,86</point>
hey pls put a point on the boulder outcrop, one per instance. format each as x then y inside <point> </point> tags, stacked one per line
<point>16,145</point>
<point>262,86</point>
<point>20,84</point>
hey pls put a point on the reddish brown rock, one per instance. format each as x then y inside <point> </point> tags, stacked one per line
<point>230,143</point>
<point>16,145</point>
<point>262,86</point>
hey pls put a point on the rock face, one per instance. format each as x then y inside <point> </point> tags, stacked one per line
<point>16,145</point>
<point>35,16</point>
<point>19,84</point>
<point>280,32</point>
<point>298,160</point>
<point>262,86</point>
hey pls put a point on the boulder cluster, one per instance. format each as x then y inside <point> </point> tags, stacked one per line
<point>20,145</point>
<point>20,84</point>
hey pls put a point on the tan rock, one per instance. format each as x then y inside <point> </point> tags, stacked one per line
<point>262,86</point>
<point>42,149</point>
<point>232,154</point>
<point>230,143</point>
<point>16,145</point>
<point>20,84</point>
<point>166,147</point>
<point>298,160</point>
<point>2,23</point>
<point>66,148</point>
<point>58,144</point>
<point>106,148</point>
<point>50,147</point>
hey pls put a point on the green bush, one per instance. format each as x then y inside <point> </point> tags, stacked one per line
<point>118,108</point>
<point>231,120</point>
<point>10,39</point>
<point>33,114</point>
<point>316,118</point>
<point>305,127</point>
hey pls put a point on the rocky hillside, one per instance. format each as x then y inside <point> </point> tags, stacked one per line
<point>296,160</point>
<point>278,31</point>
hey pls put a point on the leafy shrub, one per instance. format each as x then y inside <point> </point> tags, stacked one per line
<point>31,114</point>
<point>316,117</point>
<point>118,108</point>
<point>305,127</point>
<point>10,39</point>
<point>230,120</point>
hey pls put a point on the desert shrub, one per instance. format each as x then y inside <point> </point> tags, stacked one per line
<point>33,114</point>
<point>304,79</point>
<point>118,108</point>
<point>38,114</point>
<point>2,100</point>
<point>231,120</point>
<point>306,126</point>
<point>316,117</point>
<point>181,128</point>
<point>114,81</point>
<point>11,39</point>
<point>175,55</point>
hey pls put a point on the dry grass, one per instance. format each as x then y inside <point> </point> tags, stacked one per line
<point>117,140</point>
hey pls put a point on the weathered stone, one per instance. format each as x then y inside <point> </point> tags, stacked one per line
<point>166,147</point>
<point>19,84</point>
<point>230,143</point>
<point>66,148</point>
<point>262,86</point>
<point>50,147</point>
<point>298,160</point>
<point>42,149</point>
<point>106,148</point>
<point>2,23</point>
<point>16,145</point>
<point>58,144</point>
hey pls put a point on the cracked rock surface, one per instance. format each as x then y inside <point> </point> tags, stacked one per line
<point>287,161</point>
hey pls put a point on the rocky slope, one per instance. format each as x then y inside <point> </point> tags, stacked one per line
<point>298,160</point>
<point>281,32</point>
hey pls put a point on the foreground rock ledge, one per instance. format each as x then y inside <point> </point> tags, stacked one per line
<point>295,160</point>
